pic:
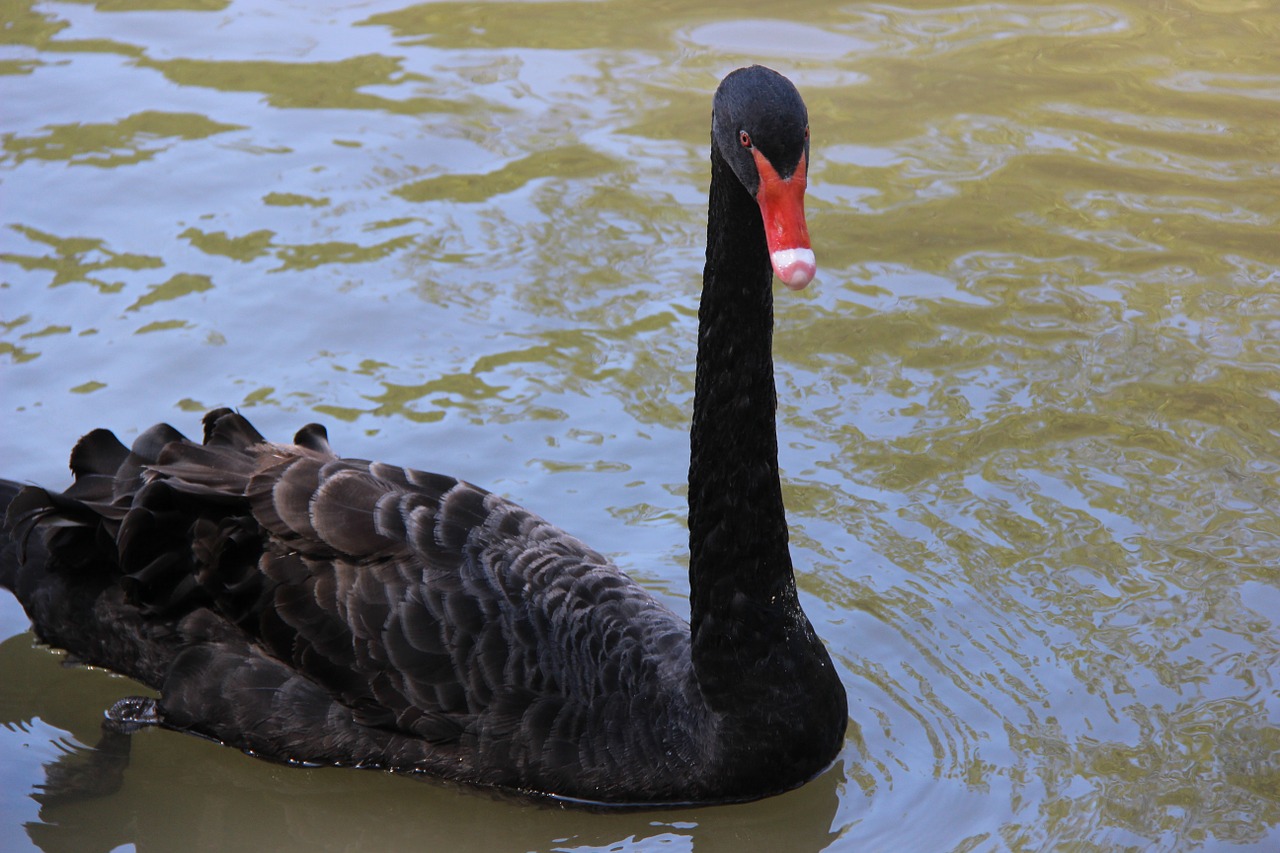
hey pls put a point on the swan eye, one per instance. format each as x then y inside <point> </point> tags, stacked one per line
<point>806,133</point>
<point>744,138</point>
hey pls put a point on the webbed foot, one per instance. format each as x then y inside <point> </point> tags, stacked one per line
<point>131,714</point>
<point>86,773</point>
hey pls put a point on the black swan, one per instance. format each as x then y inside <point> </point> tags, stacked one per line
<point>314,609</point>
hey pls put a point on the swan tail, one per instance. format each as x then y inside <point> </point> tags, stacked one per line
<point>106,568</point>
<point>72,603</point>
<point>8,547</point>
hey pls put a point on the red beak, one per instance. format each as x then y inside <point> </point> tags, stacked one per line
<point>781,203</point>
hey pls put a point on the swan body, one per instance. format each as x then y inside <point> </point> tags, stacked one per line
<point>310,608</point>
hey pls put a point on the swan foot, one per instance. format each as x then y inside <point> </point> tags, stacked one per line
<point>131,714</point>
<point>84,773</point>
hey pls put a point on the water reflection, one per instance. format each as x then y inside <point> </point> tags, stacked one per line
<point>1028,409</point>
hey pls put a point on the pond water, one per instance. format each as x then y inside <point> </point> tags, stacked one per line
<point>1029,412</point>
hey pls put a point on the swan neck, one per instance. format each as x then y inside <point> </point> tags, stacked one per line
<point>737,524</point>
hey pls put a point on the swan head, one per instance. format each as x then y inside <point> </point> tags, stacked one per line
<point>760,126</point>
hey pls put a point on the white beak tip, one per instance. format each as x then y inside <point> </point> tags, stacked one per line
<point>795,267</point>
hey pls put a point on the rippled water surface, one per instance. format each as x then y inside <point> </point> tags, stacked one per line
<point>1029,411</point>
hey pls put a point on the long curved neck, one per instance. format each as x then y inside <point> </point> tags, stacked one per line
<point>740,570</point>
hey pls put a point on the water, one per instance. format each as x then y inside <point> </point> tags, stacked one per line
<point>1029,411</point>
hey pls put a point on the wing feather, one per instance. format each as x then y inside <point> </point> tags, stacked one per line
<point>414,616</point>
